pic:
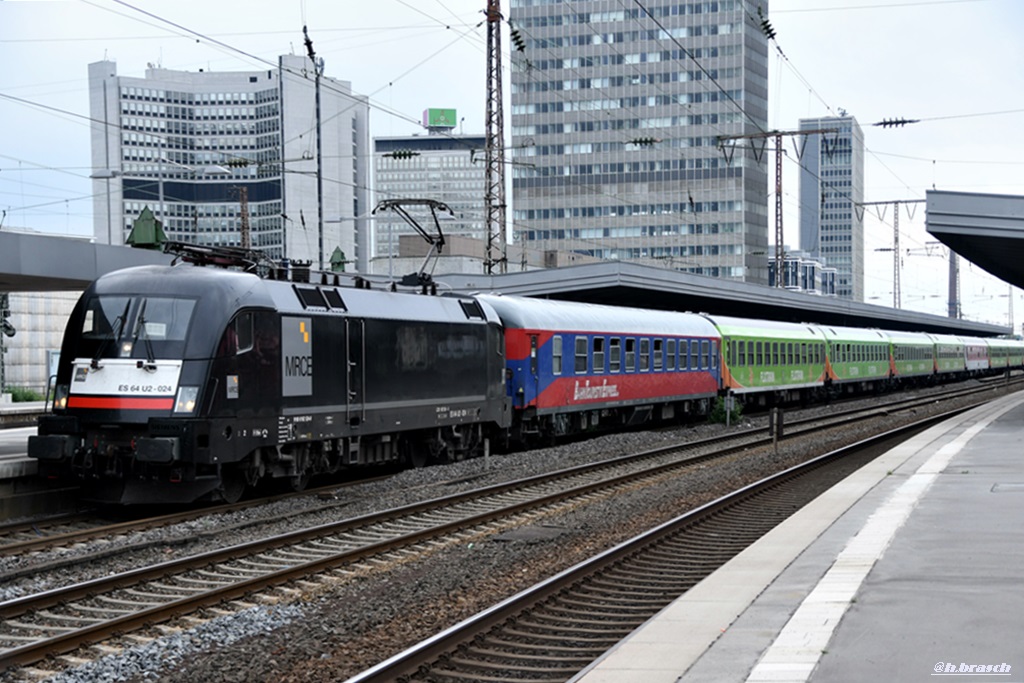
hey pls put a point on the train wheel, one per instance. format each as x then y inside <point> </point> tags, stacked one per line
<point>299,483</point>
<point>232,484</point>
<point>418,457</point>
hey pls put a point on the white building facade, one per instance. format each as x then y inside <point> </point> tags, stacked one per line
<point>444,167</point>
<point>191,146</point>
<point>831,189</point>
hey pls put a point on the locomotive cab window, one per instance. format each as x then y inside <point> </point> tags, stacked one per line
<point>238,337</point>
<point>135,327</point>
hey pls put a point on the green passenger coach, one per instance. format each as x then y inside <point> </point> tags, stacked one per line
<point>857,358</point>
<point>784,359</point>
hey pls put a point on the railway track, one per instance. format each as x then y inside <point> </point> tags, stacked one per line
<point>555,629</point>
<point>61,531</point>
<point>37,536</point>
<point>61,620</point>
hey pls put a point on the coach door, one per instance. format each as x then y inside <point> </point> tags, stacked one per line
<point>534,372</point>
<point>355,380</point>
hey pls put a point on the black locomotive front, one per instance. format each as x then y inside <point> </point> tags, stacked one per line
<point>185,383</point>
<point>127,421</point>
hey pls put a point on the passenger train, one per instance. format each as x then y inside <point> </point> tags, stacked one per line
<point>193,382</point>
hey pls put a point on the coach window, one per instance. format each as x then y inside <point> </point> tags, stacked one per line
<point>598,354</point>
<point>760,353</point>
<point>743,353</point>
<point>714,355</point>
<point>803,353</point>
<point>581,355</point>
<point>614,355</point>
<point>630,355</point>
<point>658,354</point>
<point>775,353</point>
<point>705,354</point>
<point>645,355</point>
<point>670,354</point>
<point>556,355</point>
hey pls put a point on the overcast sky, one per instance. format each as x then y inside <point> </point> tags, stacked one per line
<point>954,64</point>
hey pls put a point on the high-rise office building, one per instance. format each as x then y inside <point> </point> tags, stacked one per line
<point>195,147</point>
<point>831,188</point>
<point>617,111</point>
<point>442,166</point>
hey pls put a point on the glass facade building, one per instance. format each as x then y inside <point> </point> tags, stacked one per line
<point>444,167</point>
<point>616,115</point>
<point>190,145</point>
<point>831,187</point>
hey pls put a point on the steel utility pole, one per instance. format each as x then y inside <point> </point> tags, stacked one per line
<point>494,142</point>
<point>317,70</point>
<point>778,135</point>
<point>897,299</point>
<point>245,232</point>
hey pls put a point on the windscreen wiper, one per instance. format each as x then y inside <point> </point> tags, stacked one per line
<point>115,334</point>
<point>140,329</point>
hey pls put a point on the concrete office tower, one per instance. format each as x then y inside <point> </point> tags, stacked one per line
<point>831,187</point>
<point>187,144</point>
<point>441,165</point>
<point>615,123</point>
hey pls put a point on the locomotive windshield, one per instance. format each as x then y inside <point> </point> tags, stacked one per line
<point>135,327</point>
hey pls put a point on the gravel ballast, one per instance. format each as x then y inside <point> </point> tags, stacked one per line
<point>335,632</point>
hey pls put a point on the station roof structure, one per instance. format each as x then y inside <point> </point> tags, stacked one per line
<point>621,283</point>
<point>33,262</point>
<point>986,229</point>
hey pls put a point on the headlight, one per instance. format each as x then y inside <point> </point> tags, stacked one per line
<point>186,400</point>
<point>60,397</point>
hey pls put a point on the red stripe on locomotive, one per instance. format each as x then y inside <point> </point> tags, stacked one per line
<point>120,403</point>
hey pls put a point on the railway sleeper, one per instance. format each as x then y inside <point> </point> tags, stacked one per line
<point>594,610</point>
<point>544,647</point>
<point>529,621</point>
<point>70,618</point>
<point>597,640</point>
<point>106,611</point>
<point>472,664</point>
<point>45,628</point>
<point>564,659</point>
<point>580,618</point>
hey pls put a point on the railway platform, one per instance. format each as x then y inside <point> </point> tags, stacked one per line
<point>21,492</point>
<point>908,570</point>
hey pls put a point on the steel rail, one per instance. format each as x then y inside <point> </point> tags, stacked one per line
<point>453,649</point>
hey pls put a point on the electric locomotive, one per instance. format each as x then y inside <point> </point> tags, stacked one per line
<point>185,383</point>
